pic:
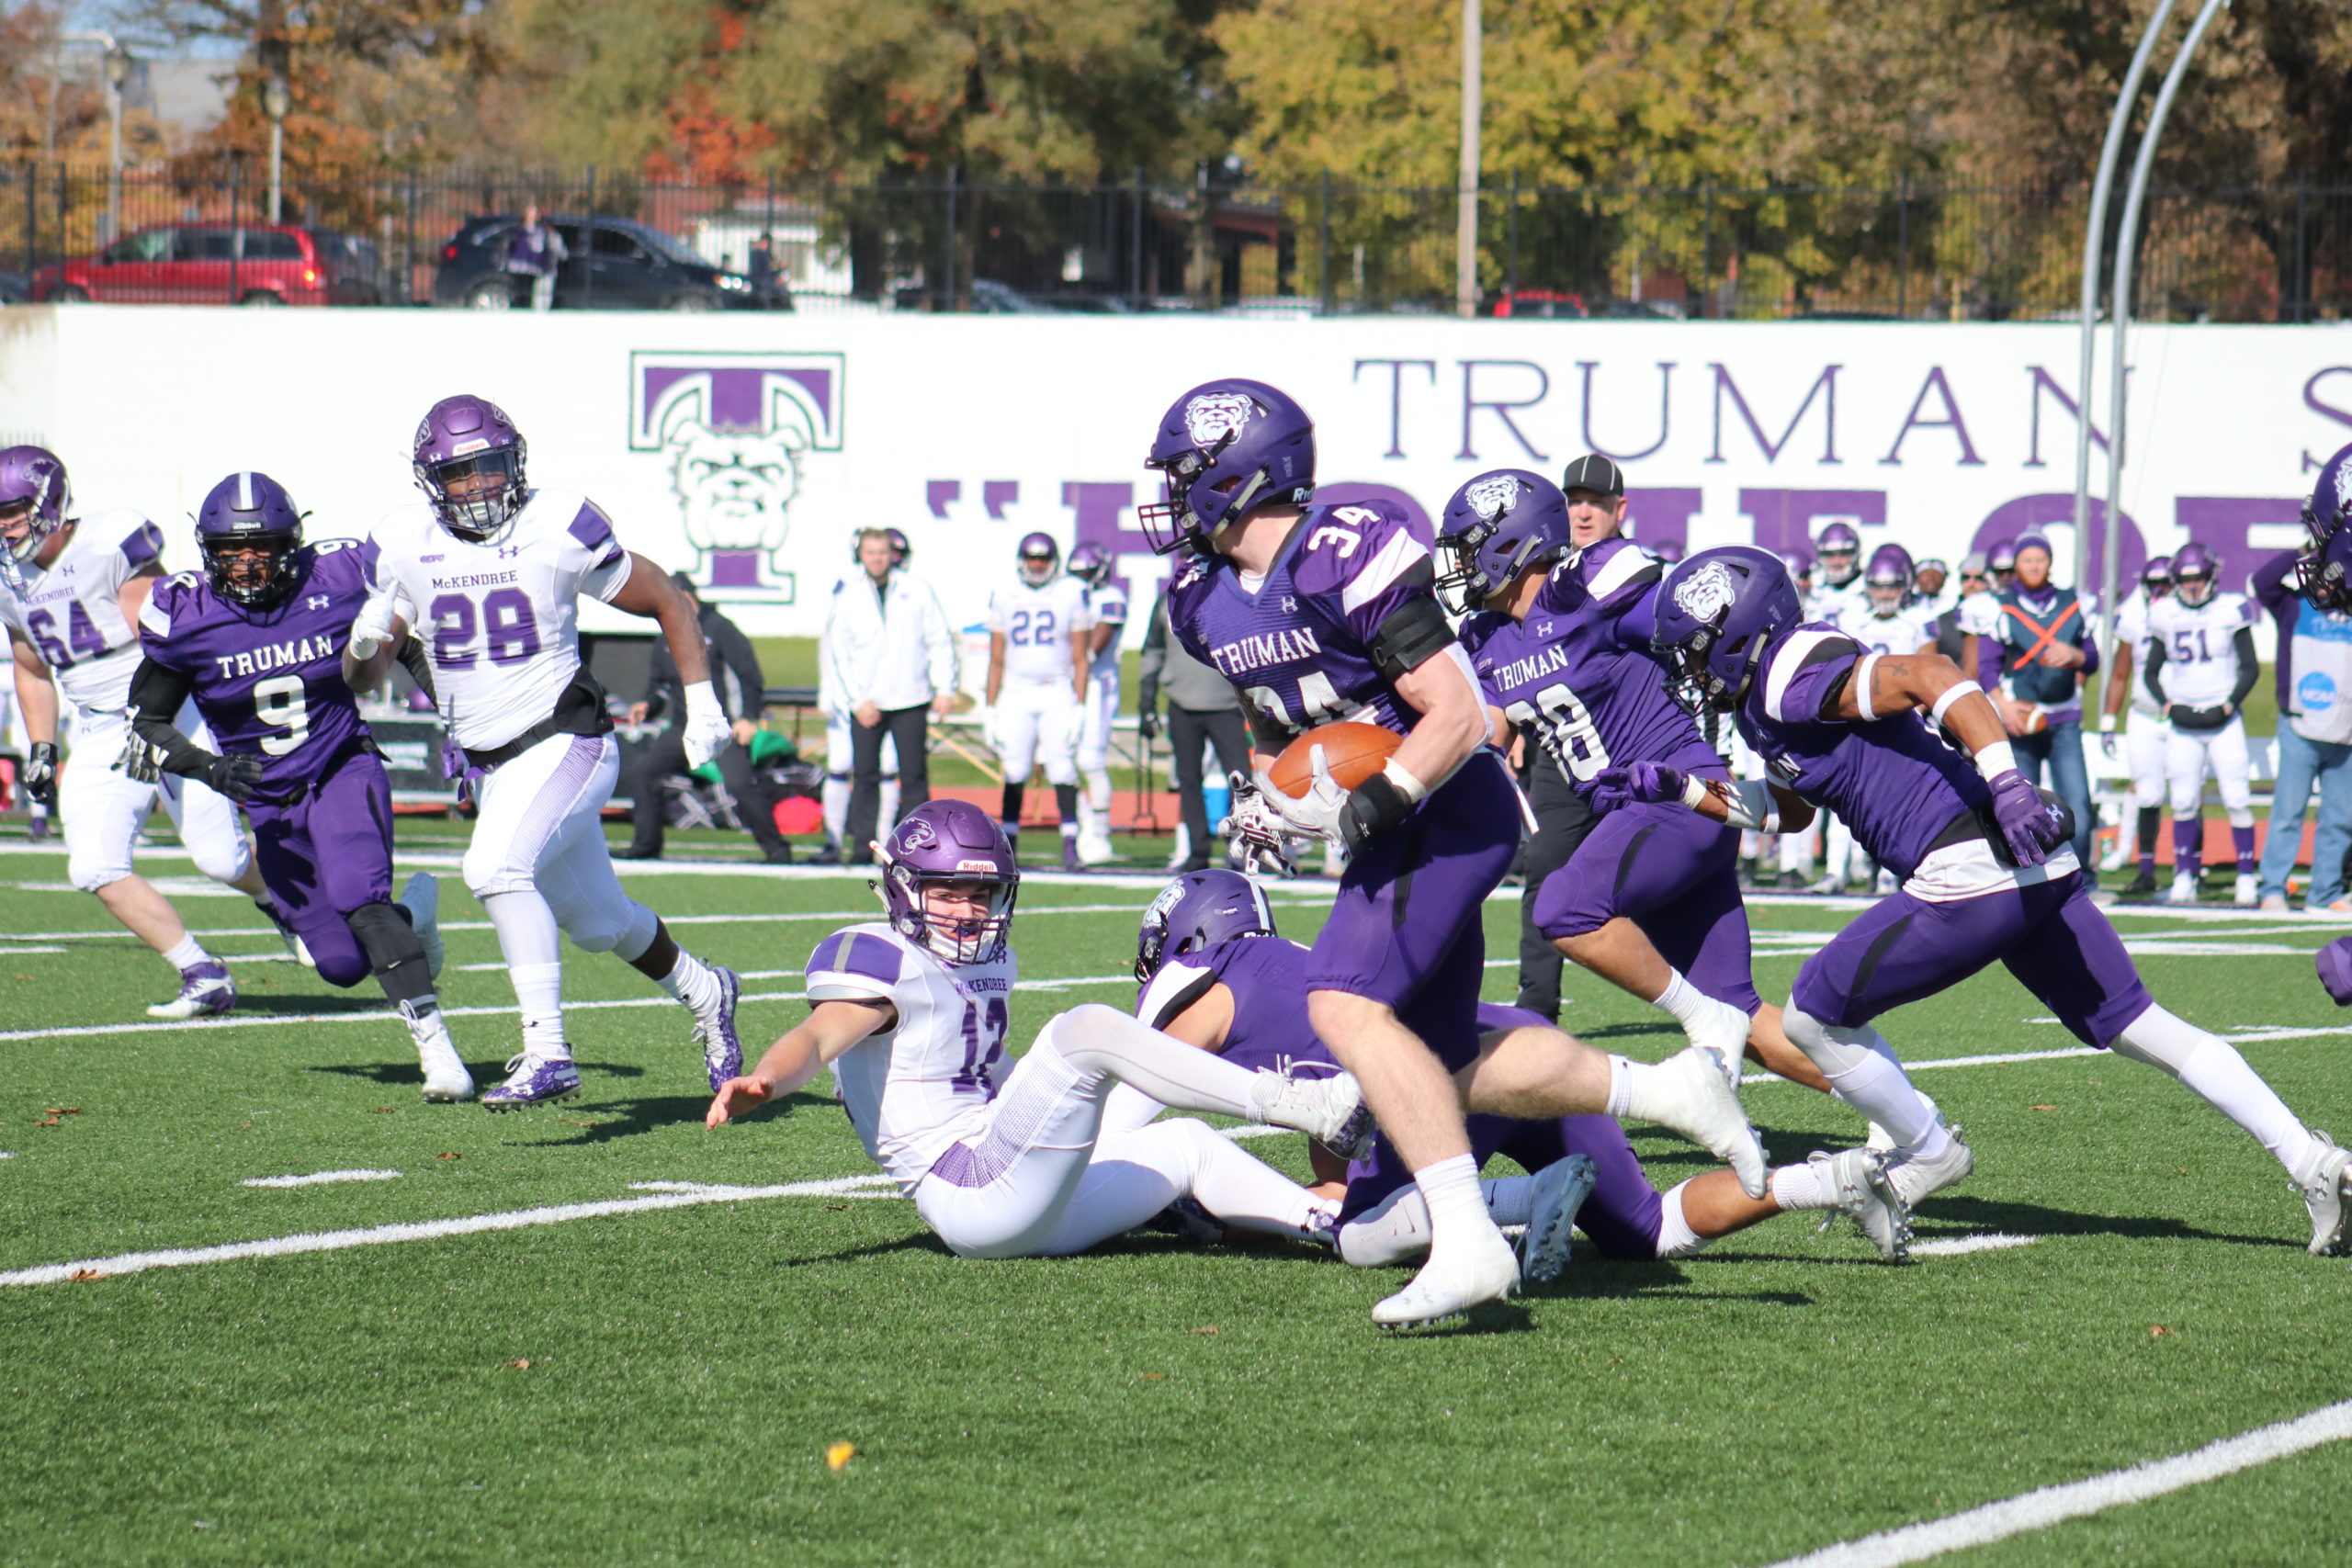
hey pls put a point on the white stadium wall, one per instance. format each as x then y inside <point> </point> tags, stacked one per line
<point>746,448</point>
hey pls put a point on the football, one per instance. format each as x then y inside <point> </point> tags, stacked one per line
<point>1352,751</point>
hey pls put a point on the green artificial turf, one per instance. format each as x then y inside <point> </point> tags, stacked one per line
<point>1149,1403</point>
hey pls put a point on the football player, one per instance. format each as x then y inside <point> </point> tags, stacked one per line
<point>1038,660</point>
<point>1882,620</point>
<point>496,567</point>
<point>256,637</point>
<point>1989,872</point>
<point>1837,584</point>
<point>1560,639</point>
<point>1324,613</point>
<point>2201,665</point>
<point>71,591</point>
<point>1106,620</point>
<point>1013,1161</point>
<point>1215,973</point>
<point>2148,732</point>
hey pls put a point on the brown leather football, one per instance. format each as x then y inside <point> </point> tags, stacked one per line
<point>1352,751</point>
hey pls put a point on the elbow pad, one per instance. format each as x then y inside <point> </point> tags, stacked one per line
<point>1414,633</point>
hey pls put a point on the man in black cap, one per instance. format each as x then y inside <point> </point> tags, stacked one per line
<point>1594,487</point>
<point>735,673</point>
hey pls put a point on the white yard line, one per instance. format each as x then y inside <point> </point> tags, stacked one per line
<point>320,1179</point>
<point>2051,1506</point>
<point>1983,1241</point>
<point>427,1230</point>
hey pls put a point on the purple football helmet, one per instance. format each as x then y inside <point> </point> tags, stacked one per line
<point>2320,573</point>
<point>1224,450</point>
<point>1040,557</point>
<point>2330,497</point>
<point>468,459</point>
<point>1798,565</point>
<point>944,842</point>
<point>1717,613</point>
<point>2001,560</point>
<point>1887,581</point>
<point>1090,563</point>
<point>33,490</point>
<point>1496,527</point>
<point>249,512</point>
<point>1199,910</point>
<point>900,546</point>
<point>1670,551</point>
<point>2196,571</point>
<point>1841,553</point>
<point>2156,576</point>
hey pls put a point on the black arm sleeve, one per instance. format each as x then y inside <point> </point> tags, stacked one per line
<point>2156,672</point>
<point>2249,666</point>
<point>1415,632</point>
<point>419,665</point>
<point>1155,654</point>
<point>156,693</point>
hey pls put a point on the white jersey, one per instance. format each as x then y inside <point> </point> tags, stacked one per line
<point>2131,632</point>
<point>502,618</point>
<point>1036,622</point>
<point>1902,632</point>
<point>1106,605</point>
<point>71,611</point>
<point>924,1083</point>
<point>2200,668</point>
<point>1828,603</point>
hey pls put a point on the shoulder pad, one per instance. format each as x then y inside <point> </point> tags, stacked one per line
<point>1800,651</point>
<point>1357,552</point>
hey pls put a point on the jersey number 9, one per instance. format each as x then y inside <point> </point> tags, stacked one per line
<point>278,703</point>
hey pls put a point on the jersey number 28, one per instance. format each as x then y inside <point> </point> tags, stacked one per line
<point>1565,727</point>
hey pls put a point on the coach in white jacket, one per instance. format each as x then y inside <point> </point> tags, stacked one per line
<point>892,655</point>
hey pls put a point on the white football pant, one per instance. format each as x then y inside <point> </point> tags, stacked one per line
<point>103,811</point>
<point>2188,753</point>
<point>1094,751</point>
<point>2144,747</point>
<point>539,834</point>
<point>1033,722</point>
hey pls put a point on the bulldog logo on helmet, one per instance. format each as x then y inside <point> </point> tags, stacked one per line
<point>917,835</point>
<point>1213,416</point>
<point>2344,488</point>
<point>1707,593</point>
<point>1491,498</point>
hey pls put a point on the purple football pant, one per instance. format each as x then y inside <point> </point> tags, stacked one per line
<point>2050,936</point>
<point>1406,927</point>
<point>326,853</point>
<point>1676,876</point>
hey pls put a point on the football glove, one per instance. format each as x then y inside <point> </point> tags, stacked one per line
<point>1148,724</point>
<point>237,776</point>
<point>2184,716</point>
<point>2029,825</point>
<point>707,731</point>
<point>1646,782</point>
<point>1258,832</point>
<point>140,763</point>
<point>41,771</point>
<point>1317,813</point>
<point>372,628</point>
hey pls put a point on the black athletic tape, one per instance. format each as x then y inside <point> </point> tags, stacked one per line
<point>1373,807</point>
<point>1414,633</point>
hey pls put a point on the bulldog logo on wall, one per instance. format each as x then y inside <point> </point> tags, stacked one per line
<point>737,429</point>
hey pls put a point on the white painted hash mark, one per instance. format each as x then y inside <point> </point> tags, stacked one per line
<point>1983,1241</point>
<point>424,1230</point>
<point>320,1179</point>
<point>2055,1505</point>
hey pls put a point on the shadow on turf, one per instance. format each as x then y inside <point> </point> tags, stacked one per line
<point>249,1000</point>
<point>1975,1214</point>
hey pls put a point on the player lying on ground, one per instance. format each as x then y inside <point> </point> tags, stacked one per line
<point>256,638</point>
<point>1324,613</point>
<point>1988,870</point>
<point>911,1016</point>
<point>497,568</point>
<point>1217,975</point>
<point>1560,640</point>
<point>70,590</point>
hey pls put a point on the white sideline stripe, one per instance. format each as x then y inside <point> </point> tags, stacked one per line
<point>320,1179</point>
<point>2049,1505</point>
<point>424,1230</point>
<point>1987,1241</point>
<point>16,951</point>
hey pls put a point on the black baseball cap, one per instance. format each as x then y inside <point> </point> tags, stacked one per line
<point>1596,473</point>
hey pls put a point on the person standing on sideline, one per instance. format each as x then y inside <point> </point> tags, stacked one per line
<point>1202,711</point>
<point>2314,663</point>
<point>735,675</point>
<point>537,251</point>
<point>1975,579</point>
<point>2033,639</point>
<point>891,655</point>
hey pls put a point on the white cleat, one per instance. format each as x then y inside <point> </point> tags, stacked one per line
<point>1724,1030</point>
<point>1094,849</point>
<point>446,1081</point>
<point>2324,1185</point>
<point>1689,1093</point>
<point>1442,1293</point>
<point>1915,1180</point>
<point>2184,890</point>
<point>2248,894</point>
<point>1883,1141</point>
<point>1857,1188</point>
<point>421,898</point>
<point>1330,1110</point>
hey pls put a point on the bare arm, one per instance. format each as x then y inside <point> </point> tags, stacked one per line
<point>1079,645</point>
<point>2118,680</point>
<point>650,592</point>
<point>1454,720</point>
<point>1919,679</point>
<point>1796,812</point>
<point>133,594</point>
<point>36,693</point>
<point>829,1029</point>
<point>1207,1022</point>
<point>996,666</point>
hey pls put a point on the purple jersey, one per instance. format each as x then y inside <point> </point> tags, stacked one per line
<point>1577,676</point>
<point>268,681</point>
<point>1297,645</point>
<point>1901,790</point>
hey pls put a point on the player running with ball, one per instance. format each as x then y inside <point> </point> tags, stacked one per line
<point>1988,873</point>
<point>911,1014</point>
<point>1317,614</point>
<point>497,568</point>
<point>256,638</point>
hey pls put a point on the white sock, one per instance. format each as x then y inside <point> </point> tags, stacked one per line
<point>1686,1002</point>
<point>2213,1070</point>
<point>538,991</point>
<point>1863,1071</point>
<point>1675,1237</point>
<point>836,799</point>
<point>1098,794</point>
<point>1621,1087</point>
<point>187,954</point>
<point>525,927</point>
<point>1397,1227</point>
<point>690,981</point>
<point>1799,1186</point>
<point>1456,1201</point>
<point>1070,829</point>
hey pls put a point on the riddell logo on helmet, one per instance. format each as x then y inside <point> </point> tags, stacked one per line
<point>979,865</point>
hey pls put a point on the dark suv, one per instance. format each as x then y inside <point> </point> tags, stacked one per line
<point>610,264</point>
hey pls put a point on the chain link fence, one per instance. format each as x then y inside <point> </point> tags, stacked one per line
<point>1914,252</point>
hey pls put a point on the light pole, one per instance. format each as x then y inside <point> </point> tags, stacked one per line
<point>275,99</point>
<point>118,62</point>
<point>1466,208</point>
